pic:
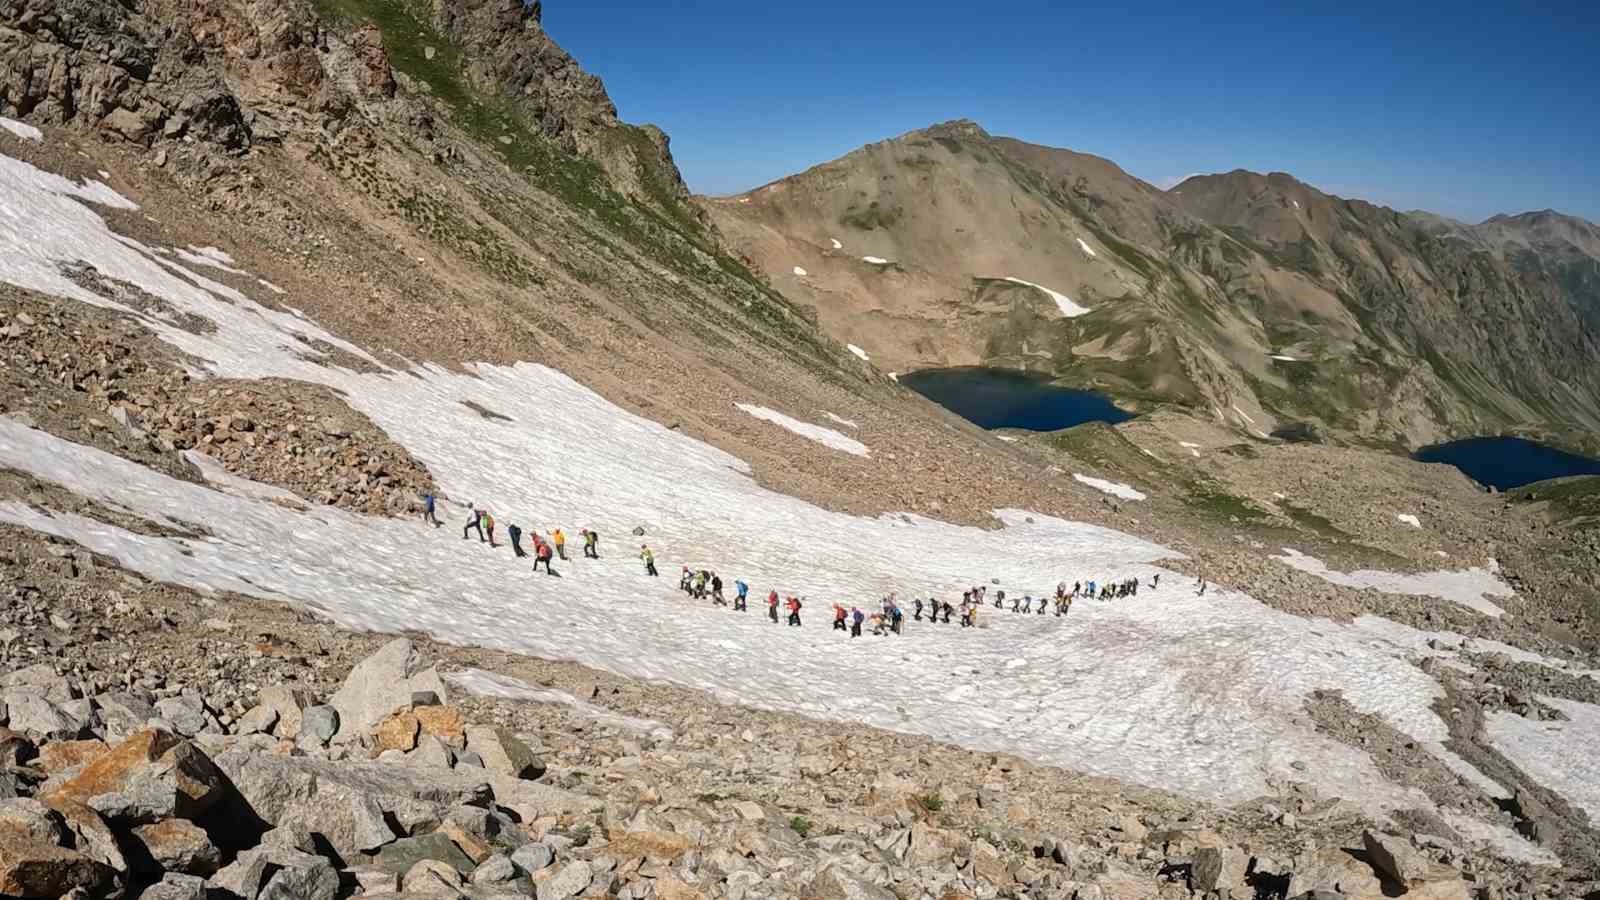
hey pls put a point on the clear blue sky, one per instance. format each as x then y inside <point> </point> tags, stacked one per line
<point>1463,109</point>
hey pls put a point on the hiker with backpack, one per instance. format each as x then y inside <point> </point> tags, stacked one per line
<point>474,523</point>
<point>515,532</point>
<point>741,596</point>
<point>427,511</point>
<point>649,560</point>
<point>542,554</point>
<point>560,539</point>
<point>772,607</point>
<point>794,611</point>
<point>591,544</point>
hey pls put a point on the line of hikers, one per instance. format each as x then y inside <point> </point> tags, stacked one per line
<point>704,583</point>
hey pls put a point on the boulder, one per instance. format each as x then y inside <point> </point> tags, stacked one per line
<point>381,684</point>
<point>398,732</point>
<point>57,757</point>
<point>318,725</point>
<point>431,877</point>
<point>29,817</point>
<point>475,846</point>
<point>504,752</point>
<point>289,703</point>
<point>259,719</point>
<point>123,714</point>
<point>1332,869</point>
<point>400,856</point>
<point>15,749</point>
<point>30,867</point>
<point>431,753</point>
<point>174,845</point>
<point>40,679</point>
<point>90,835</point>
<point>151,776</point>
<point>1217,868</point>
<point>188,715</point>
<point>352,803</point>
<point>1394,859</point>
<point>33,714</point>
<point>836,884</point>
<point>570,880</point>
<point>444,723</point>
<point>499,872</point>
<point>176,886</point>
<point>300,876</point>
<point>374,881</point>
<point>531,858</point>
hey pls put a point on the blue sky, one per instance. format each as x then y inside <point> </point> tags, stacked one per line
<point>1463,109</point>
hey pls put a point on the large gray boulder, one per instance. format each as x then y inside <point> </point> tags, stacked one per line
<point>33,714</point>
<point>379,685</point>
<point>503,752</point>
<point>1394,859</point>
<point>351,804</point>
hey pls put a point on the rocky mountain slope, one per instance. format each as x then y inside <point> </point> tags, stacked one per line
<point>1257,300</point>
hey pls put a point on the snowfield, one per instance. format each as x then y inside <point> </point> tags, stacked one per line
<point>1199,695</point>
<point>875,260</point>
<point>21,130</point>
<point>1469,587</point>
<point>1409,519</point>
<point>1063,302</point>
<point>827,437</point>
<point>800,272</point>
<point>1114,488</point>
<point>1086,248</point>
<point>839,421</point>
<point>858,351</point>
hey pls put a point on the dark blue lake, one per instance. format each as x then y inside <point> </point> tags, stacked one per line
<point>1508,462</point>
<point>1001,398</point>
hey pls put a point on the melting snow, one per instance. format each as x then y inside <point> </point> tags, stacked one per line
<point>270,286</point>
<point>801,272</point>
<point>1244,414</point>
<point>875,260</point>
<point>1468,587</point>
<point>209,256</point>
<point>1115,489</point>
<point>491,684</point>
<point>1296,203</point>
<point>1007,438</point>
<point>1280,356</point>
<point>845,422</point>
<point>1086,248</point>
<point>1499,839</point>
<point>836,244</point>
<point>1409,519</point>
<point>21,129</point>
<point>894,377</point>
<point>857,351</point>
<point>824,436</point>
<point>1559,755</point>
<point>1210,691</point>
<point>1063,302</point>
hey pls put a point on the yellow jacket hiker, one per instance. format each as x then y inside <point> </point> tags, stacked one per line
<point>560,540</point>
<point>649,560</point>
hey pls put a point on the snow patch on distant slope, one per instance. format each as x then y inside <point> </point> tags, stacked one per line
<point>1086,248</point>
<point>1409,519</point>
<point>1063,302</point>
<point>1114,488</point>
<point>841,421</point>
<point>836,244</point>
<point>875,260</point>
<point>1468,587</point>
<point>270,286</point>
<point>824,436</point>
<point>209,256</point>
<point>21,129</point>
<point>1282,358</point>
<point>800,272</point>
<point>491,684</point>
<point>858,351</point>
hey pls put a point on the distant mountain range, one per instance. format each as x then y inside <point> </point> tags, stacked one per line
<point>1254,299</point>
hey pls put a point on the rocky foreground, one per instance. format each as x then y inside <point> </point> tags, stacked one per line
<point>160,744</point>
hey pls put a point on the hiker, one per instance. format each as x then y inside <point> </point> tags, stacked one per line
<point>591,544</point>
<point>838,617</point>
<point>700,585</point>
<point>772,606</point>
<point>1155,582</point>
<point>794,610</point>
<point>516,540</point>
<point>686,581</point>
<point>716,591</point>
<point>473,524</point>
<point>560,539</point>
<point>488,525</point>
<point>948,609</point>
<point>542,554</point>
<point>878,625</point>
<point>1202,587</point>
<point>999,599</point>
<point>856,615</point>
<point>917,614</point>
<point>741,596</point>
<point>896,618</point>
<point>427,511</point>
<point>1027,603</point>
<point>649,560</point>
